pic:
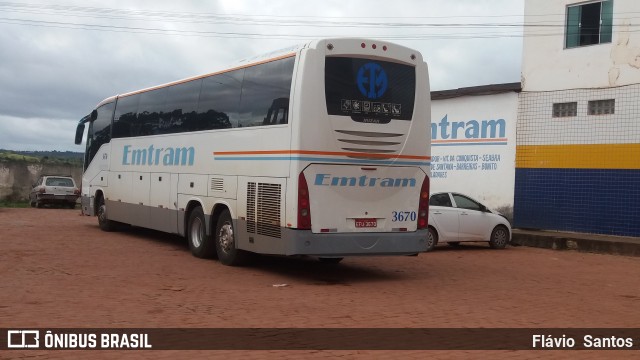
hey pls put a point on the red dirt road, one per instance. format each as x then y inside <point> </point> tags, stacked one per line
<point>59,270</point>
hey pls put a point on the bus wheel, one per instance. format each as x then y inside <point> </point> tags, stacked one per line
<point>199,243</point>
<point>103,221</point>
<point>228,253</point>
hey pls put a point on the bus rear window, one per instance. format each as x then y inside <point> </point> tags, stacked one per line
<point>371,91</point>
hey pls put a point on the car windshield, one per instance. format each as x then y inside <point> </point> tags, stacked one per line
<point>55,181</point>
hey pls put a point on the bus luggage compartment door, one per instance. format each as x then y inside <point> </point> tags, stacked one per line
<point>363,198</point>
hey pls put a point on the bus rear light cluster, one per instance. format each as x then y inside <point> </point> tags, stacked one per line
<point>423,208</point>
<point>304,212</point>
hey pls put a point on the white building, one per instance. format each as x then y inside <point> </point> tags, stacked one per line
<point>473,137</point>
<point>578,132</point>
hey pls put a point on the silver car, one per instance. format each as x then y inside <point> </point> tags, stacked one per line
<point>54,189</point>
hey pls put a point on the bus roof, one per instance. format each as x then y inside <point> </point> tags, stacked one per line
<point>257,60</point>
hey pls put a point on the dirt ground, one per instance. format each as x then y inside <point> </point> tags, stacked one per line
<point>59,270</point>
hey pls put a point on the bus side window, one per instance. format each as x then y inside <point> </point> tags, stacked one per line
<point>265,89</point>
<point>219,102</point>
<point>150,110</point>
<point>278,112</point>
<point>181,108</point>
<point>126,116</point>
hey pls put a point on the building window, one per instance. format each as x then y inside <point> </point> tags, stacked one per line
<point>565,109</point>
<point>589,24</point>
<point>602,107</point>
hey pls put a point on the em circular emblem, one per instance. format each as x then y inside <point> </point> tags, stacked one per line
<point>372,80</point>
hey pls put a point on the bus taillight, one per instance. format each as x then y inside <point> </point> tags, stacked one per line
<point>304,212</point>
<point>423,208</point>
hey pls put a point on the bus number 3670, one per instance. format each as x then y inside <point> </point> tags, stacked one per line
<point>400,216</point>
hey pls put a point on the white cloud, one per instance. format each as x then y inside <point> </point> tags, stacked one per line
<point>52,75</point>
<point>38,134</point>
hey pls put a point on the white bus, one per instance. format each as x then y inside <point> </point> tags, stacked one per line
<point>321,149</point>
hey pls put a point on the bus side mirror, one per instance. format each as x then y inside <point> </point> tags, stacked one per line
<point>79,133</point>
<point>94,115</point>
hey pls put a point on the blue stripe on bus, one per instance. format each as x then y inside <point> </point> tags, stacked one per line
<point>465,144</point>
<point>349,161</point>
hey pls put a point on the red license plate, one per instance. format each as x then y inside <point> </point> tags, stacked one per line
<point>366,223</point>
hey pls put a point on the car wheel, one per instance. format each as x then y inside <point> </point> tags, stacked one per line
<point>200,244</point>
<point>499,237</point>
<point>226,245</point>
<point>454,243</point>
<point>104,223</point>
<point>39,204</point>
<point>331,260</point>
<point>71,205</point>
<point>432,239</point>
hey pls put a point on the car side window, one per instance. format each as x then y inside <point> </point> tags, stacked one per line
<point>466,203</point>
<point>440,200</point>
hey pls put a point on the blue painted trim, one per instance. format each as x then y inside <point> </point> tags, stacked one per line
<point>600,201</point>
<point>331,160</point>
<point>465,144</point>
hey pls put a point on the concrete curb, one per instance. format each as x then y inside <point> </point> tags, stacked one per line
<point>601,244</point>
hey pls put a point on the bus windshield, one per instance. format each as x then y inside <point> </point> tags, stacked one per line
<point>368,90</point>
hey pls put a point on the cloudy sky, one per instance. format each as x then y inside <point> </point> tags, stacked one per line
<point>59,59</point>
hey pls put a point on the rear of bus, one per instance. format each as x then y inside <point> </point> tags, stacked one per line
<point>361,150</point>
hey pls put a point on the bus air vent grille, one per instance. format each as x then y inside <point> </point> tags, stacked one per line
<point>217,184</point>
<point>268,210</point>
<point>251,208</point>
<point>368,142</point>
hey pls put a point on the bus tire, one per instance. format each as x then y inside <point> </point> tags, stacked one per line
<point>226,245</point>
<point>200,244</point>
<point>104,223</point>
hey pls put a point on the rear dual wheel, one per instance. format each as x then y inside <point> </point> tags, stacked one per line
<point>223,243</point>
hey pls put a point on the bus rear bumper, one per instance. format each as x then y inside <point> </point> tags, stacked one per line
<point>304,242</point>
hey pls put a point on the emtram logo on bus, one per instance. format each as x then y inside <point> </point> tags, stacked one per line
<point>372,80</point>
<point>362,181</point>
<point>169,156</point>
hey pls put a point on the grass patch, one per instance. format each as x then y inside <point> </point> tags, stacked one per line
<point>18,157</point>
<point>45,158</point>
<point>14,204</point>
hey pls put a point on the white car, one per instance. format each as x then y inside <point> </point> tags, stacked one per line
<point>54,190</point>
<point>456,218</point>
